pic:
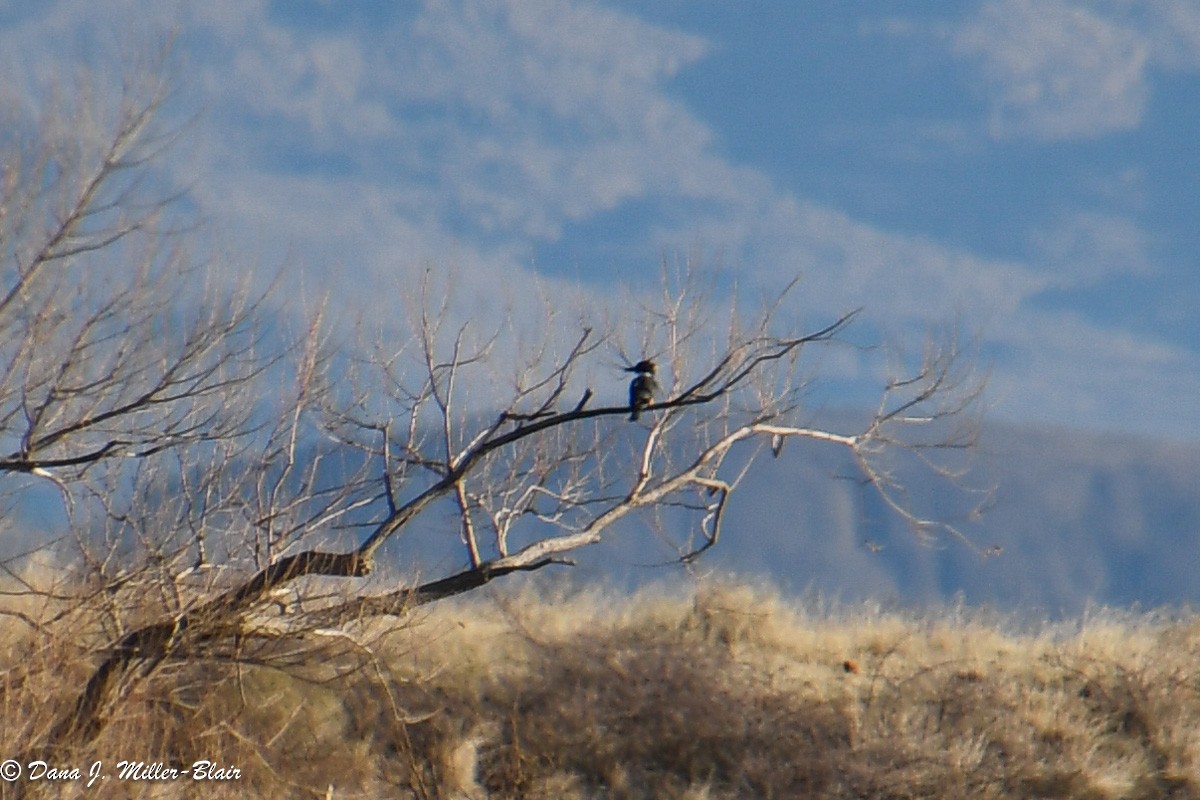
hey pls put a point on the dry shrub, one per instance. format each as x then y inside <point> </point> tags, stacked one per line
<point>731,692</point>
<point>724,692</point>
<point>642,717</point>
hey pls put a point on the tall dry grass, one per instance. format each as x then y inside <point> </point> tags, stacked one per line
<point>720,692</point>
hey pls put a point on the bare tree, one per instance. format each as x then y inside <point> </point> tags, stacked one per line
<point>214,504</point>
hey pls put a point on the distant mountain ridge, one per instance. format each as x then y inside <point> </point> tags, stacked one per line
<point>1077,518</point>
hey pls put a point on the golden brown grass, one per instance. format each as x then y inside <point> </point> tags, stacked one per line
<point>723,692</point>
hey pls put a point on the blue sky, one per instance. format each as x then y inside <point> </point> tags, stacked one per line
<point>1029,167</point>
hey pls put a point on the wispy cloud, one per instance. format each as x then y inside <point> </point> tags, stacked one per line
<point>1085,247</point>
<point>1057,70</point>
<point>1062,69</point>
<point>466,134</point>
<point>1063,368</point>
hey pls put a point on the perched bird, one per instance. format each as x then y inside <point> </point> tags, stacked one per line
<point>641,388</point>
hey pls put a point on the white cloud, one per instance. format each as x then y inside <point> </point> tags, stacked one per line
<point>361,154</point>
<point>516,117</point>
<point>1057,69</point>
<point>1088,246</point>
<point>499,131</point>
<point>1063,368</point>
<point>1064,69</point>
<point>1173,28</point>
<point>909,280</point>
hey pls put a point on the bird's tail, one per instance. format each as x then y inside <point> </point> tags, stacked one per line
<point>633,415</point>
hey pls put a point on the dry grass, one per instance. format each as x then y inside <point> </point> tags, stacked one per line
<point>727,692</point>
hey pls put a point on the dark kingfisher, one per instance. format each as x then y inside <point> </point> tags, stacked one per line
<point>641,388</point>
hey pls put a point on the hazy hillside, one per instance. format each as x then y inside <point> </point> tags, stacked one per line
<point>1079,518</point>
